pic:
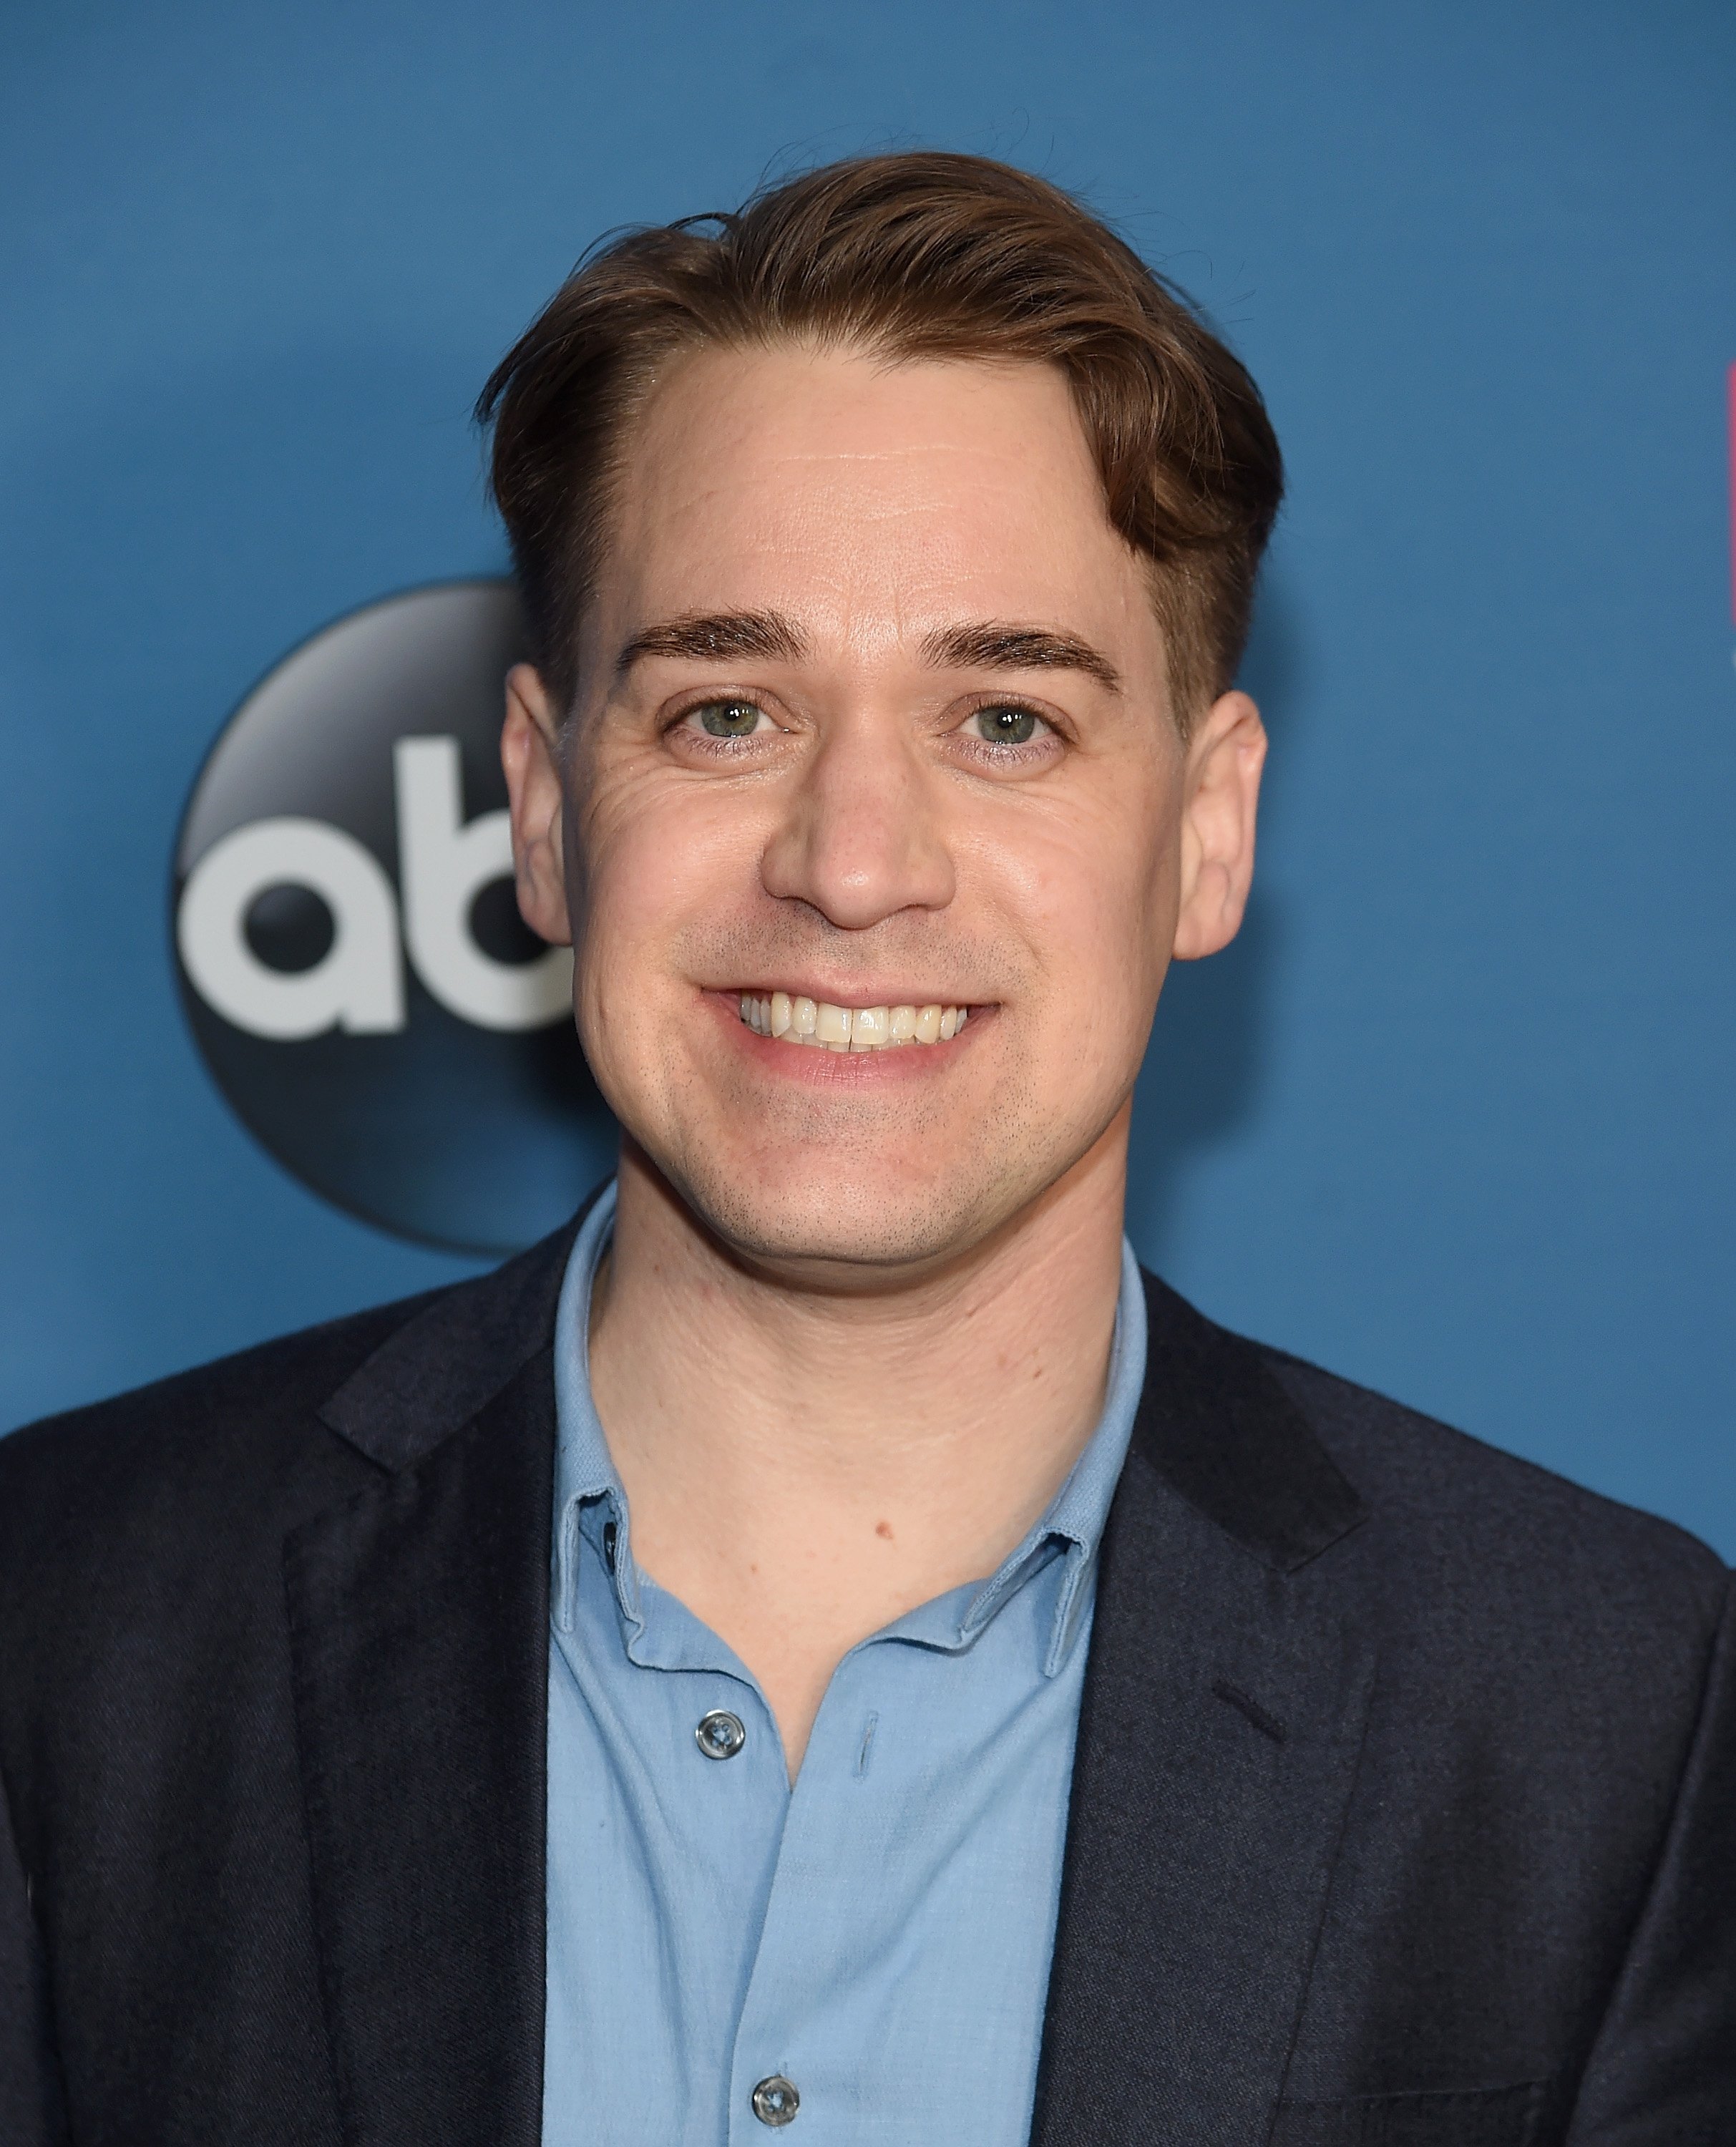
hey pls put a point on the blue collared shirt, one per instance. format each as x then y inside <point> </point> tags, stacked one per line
<point>877,1934</point>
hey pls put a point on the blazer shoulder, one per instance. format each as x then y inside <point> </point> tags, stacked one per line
<point>216,1463</point>
<point>189,1457</point>
<point>280,1376</point>
<point>1470,1508</point>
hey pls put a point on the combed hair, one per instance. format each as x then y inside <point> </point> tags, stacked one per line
<point>915,255</point>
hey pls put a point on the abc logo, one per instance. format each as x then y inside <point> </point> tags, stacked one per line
<point>352,959</point>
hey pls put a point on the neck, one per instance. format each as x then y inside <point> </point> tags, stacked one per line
<point>804,1466</point>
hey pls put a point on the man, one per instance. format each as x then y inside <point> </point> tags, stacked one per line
<point>824,1642</point>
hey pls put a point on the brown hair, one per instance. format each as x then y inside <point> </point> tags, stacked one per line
<point>915,255</point>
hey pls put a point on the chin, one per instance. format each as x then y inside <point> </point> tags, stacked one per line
<point>816,1211</point>
<point>824,1221</point>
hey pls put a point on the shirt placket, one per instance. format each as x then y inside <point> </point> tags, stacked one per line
<point>779,2077</point>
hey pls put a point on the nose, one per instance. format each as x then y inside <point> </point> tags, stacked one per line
<point>861,835</point>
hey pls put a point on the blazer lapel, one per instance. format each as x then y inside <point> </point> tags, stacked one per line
<point>1218,1742</point>
<point>418,1616</point>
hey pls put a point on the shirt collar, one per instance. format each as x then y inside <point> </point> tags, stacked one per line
<point>584,1470</point>
<point>591,1506</point>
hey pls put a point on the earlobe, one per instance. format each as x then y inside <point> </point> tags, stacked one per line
<point>530,756</point>
<point>1225,759</point>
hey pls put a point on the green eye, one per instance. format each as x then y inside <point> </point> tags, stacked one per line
<point>729,720</point>
<point>1006,725</point>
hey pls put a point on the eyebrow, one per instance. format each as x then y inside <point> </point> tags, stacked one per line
<point>707,636</point>
<point>977,645</point>
<point>998,645</point>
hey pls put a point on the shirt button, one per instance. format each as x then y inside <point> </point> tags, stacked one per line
<point>775,2100</point>
<point>720,1736</point>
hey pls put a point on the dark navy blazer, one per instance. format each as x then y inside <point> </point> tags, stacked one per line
<point>1403,1807</point>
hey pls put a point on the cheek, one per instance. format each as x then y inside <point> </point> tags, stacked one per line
<point>661,866</point>
<point>1094,893</point>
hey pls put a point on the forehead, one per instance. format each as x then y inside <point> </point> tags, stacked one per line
<point>872,498</point>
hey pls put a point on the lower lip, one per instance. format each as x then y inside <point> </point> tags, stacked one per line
<point>822,1068</point>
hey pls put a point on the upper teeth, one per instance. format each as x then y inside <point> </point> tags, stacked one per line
<point>794,1020</point>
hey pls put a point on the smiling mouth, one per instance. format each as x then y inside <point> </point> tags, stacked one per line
<point>789,1019</point>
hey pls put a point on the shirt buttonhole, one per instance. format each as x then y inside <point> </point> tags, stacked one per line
<point>868,1746</point>
<point>609,1532</point>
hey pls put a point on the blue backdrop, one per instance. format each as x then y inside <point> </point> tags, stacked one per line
<point>1455,1116</point>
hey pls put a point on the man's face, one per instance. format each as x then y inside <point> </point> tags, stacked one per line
<point>871,721</point>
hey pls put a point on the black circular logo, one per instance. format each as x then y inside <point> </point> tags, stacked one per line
<point>351,955</point>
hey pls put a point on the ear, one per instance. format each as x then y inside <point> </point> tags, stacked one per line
<point>1222,796</point>
<point>530,754</point>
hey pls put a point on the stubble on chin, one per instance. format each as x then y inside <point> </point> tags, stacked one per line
<point>902,1182</point>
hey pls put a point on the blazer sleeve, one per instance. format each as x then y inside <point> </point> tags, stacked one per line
<point>1662,2069</point>
<point>32,2110</point>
